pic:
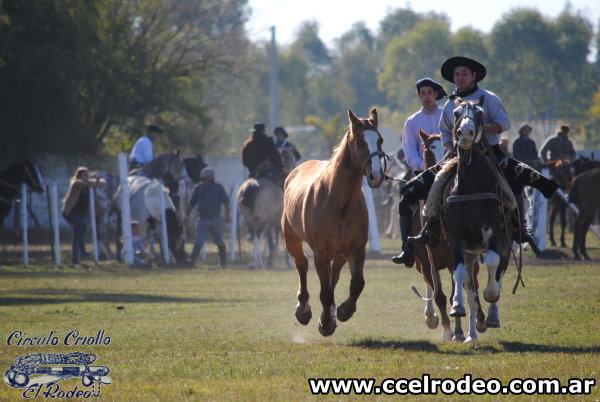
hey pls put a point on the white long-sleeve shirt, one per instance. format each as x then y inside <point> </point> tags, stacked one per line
<point>142,151</point>
<point>493,112</point>
<point>411,142</point>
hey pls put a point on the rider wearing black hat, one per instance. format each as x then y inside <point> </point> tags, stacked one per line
<point>466,73</point>
<point>260,154</point>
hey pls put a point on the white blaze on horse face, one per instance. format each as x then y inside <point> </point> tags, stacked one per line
<point>376,176</point>
<point>466,133</point>
<point>438,150</point>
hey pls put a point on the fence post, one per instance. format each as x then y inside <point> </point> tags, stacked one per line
<point>55,222</point>
<point>233,211</point>
<point>374,243</point>
<point>163,226</point>
<point>24,224</point>
<point>93,224</point>
<point>125,210</point>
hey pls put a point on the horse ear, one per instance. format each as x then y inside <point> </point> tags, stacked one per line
<point>374,117</point>
<point>423,135</point>
<point>481,99</point>
<point>354,120</point>
<point>177,152</point>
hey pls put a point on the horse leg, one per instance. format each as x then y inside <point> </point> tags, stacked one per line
<point>585,224</point>
<point>357,283</point>
<point>472,297</point>
<point>551,223</point>
<point>441,301</point>
<point>458,276</point>
<point>576,236</point>
<point>327,321</point>
<point>431,318</point>
<point>563,225</point>
<point>294,246</point>
<point>493,318</point>
<point>492,292</point>
<point>256,256</point>
<point>272,248</point>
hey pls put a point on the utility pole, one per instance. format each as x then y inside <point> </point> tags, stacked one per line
<point>274,102</point>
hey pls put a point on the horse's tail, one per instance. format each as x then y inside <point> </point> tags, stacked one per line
<point>248,193</point>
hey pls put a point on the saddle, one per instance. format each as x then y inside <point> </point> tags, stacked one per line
<point>438,194</point>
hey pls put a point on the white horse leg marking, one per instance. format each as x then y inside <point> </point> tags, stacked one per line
<point>492,292</point>
<point>471,298</point>
<point>459,279</point>
<point>431,318</point>
<point>371,138</point>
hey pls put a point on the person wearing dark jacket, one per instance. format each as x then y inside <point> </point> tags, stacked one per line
<point>524,148</point>
<point>280,139</point>
<point>559,147</point>
<point>260,154</point>
<point>75,209</point>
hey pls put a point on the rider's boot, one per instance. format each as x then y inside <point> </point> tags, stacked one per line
<point>406,256</point>
<point>222,256</point>
<point>430,233</point>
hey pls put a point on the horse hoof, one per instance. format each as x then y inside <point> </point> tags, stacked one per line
<point>481,327</point>
<point>488,298</point>
<point>458,311</point>
<point>492,323</point>
<point>458,338</point>
<point>432,321</point>
<point>303,317</point>
<point>344,313</point>
<point>447,336</point>
<point>327,331</point>
<point>470,339</point>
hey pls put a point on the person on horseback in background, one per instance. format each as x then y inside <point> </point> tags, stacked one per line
<point>280,139</point>
<point>428,119</point>
<point>143,149</point>
<point>524,148</point>
<point>261,156</point>
<point>559,147</point>
<point>466,73</point>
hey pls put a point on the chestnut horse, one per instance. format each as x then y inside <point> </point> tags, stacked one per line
<point>324,206</point>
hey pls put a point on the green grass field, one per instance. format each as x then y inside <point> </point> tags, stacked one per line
<point>210,333</point>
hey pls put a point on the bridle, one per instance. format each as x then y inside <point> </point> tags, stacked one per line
<point>470,116</point>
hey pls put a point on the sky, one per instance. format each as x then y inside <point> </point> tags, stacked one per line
<point>337,16</point>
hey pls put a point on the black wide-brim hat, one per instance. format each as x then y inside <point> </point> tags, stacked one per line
<point>457,61</point>
<point>428,82</point>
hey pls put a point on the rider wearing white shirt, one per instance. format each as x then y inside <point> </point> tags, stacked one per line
<point>143,149</point>
<point>427,119</point>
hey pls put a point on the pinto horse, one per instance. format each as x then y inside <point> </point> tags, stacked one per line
<point>430,262</point>
<point>324,206</point>
<point>475,219</point>
<point>260,202</point>
<point>11,179</point>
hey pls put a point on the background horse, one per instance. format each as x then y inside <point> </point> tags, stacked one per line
<point>193,167</point>
<point>11,179</point>
<point>561,171</point>
<point>324,206</point>
<point>105,208</point>
<point>474,217</point>
<point>260,201</point>
<point>585,193</point>
<point>440,257</point>
<point>584,163</point>
<point>144,200</point>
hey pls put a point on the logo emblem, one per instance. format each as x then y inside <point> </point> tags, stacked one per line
<point>34,370</point>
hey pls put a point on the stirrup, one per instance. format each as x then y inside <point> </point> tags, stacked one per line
<point>405,257</point>
<point>528,237</point>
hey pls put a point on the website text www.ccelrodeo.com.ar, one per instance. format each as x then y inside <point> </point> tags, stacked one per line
<point>467,385</point>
